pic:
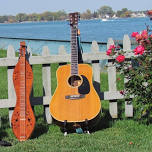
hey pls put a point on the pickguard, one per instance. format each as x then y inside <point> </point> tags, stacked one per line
<point>84,88</point>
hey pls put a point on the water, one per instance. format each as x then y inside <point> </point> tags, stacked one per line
<point>60,30</point>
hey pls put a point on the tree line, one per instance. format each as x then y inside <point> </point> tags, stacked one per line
<point>62,15</point>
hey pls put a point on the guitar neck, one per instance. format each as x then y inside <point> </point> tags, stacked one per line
<point>22,89</point>
<point>22,73</point>
<point>74,51</point>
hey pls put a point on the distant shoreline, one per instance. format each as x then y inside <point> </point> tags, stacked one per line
<point>67,21</point>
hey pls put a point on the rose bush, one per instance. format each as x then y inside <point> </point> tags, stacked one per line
<point>138,71</point>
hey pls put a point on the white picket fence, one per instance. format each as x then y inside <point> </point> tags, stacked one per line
<point>46,59</point>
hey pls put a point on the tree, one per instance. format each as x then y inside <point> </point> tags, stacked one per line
<point>11,19</point>
<point>105,10</point>
<point>60,15</point>
<point>124,12</point>
<point>95,14</point>
<point>3,19</point>
<point>87,14</point>
<point>21,17</point>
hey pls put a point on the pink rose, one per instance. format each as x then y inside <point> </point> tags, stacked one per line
<point>112,47</point>
<point>120,58</point>
<point>122,92</point>
<point>118,79</point>
<point>148,41</point>
<point>144,34</point>
<point>134,34</point>
<point>150,36</point>
<point>118,47</point>
<point>138,37</point>
<point>139,50</point>
<point>109,51</point>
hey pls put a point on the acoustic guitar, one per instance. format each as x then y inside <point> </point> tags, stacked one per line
<point>23,120</point>
<point>75,99</point>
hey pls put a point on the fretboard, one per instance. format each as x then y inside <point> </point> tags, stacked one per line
<point>22,89</point>
<point>22,97</point>
<point>74,51</point>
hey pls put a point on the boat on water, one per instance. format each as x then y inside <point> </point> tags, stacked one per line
<point>104,19</point>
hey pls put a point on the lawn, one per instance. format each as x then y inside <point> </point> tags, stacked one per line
<point>120,135</point>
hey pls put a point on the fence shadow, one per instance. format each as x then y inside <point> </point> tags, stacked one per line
<point>3,134</point>
<point>4,124</point>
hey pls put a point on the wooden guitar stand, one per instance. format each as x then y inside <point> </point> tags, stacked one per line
<point>77,127</point>
<point>86,127</point>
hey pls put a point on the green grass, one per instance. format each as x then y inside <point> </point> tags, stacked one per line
<point>118,135</point>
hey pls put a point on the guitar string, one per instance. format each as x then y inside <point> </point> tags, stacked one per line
<point>25,89</point>
<point>22,96</point>
<point>74,70</point>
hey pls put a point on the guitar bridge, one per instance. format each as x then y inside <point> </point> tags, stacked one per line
<point>75,97</point>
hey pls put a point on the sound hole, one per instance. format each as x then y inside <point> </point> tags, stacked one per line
<point>75,81</point>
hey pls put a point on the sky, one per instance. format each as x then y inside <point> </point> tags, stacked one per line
<point>13,7</point>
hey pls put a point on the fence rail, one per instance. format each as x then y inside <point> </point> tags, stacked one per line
<point>46,60</point>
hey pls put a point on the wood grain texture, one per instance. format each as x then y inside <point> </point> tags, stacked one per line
<point>23,120</point>
<point>23,127</point>
<point>76,110</point>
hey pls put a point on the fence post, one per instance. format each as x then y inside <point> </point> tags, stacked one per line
<point>128,103</point>
<point>113,106</point>
<point>96,68</point>
<point>11,90</point>
<point>46,77</point>
<point>95,63</point>
<point>29,51</point>
<point>62,51</point>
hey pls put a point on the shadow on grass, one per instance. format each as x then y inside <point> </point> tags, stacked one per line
<point>104,122</point>
<point>3,134</point>
<point>41,127</point>
<point>4,125</point>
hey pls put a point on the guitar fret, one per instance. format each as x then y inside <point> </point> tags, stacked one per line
<point>74,56</point>
<point>74,53</point>
<point>22,91</point>
<point>74,61</point>
<point>74,50</point>
<point>74,69</point>
<point>74,66</point>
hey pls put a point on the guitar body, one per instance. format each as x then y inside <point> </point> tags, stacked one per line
<point>75,104</point>
<point>23,120</point>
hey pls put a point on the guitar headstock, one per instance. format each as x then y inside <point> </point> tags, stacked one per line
<point>74,17</point>
<point>22,48</point>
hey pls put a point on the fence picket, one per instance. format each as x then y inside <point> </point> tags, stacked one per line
<point>46,77</point>
<point>96,68</point>
<point>128,102</point>
<point>113,107</point>
<point>11,90</point>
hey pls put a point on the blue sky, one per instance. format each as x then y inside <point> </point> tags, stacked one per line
<point>12,7</point>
